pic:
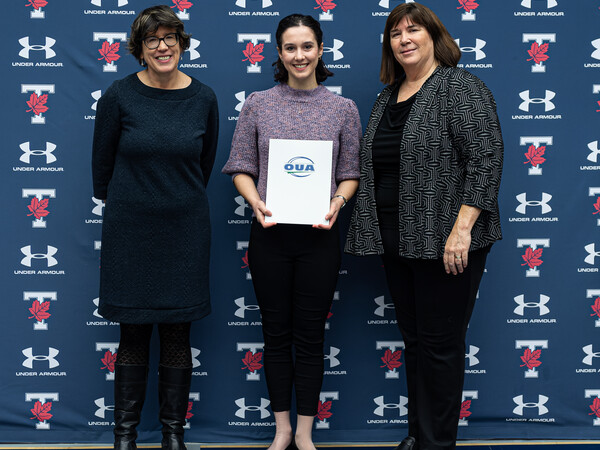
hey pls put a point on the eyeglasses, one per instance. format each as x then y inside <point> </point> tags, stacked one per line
<point>152,42</point>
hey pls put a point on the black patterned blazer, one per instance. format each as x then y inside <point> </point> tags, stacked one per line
<point>450,154</point>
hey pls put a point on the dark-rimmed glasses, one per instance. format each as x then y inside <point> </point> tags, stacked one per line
<point>152,42</point>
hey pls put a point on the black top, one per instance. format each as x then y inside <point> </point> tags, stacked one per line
<point>386,159</point>
<point>152,156</point>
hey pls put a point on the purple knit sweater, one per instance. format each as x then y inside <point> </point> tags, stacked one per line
<point>286,113</point>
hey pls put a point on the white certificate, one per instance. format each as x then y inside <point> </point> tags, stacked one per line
<point>299,181</point>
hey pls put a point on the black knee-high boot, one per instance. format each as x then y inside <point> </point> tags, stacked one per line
<point>130,392</point>
<point>173,398</point>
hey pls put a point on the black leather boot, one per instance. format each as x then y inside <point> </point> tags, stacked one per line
<point>130,392</point>
<point>173,400</point>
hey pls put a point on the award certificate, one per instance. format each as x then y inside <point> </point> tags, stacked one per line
<point>299,181</point>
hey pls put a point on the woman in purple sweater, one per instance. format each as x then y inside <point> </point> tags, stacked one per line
<point>294,267</point>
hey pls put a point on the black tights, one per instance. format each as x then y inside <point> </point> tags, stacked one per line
<point>134,347</point>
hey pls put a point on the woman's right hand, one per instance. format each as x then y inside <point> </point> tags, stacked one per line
<point>260,212</point>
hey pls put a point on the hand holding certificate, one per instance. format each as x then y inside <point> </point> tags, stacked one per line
<point>299,181</point>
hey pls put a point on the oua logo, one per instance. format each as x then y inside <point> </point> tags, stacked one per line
<point>300,166</point>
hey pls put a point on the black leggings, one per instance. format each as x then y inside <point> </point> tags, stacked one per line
<point>175,351</point>
<point>294,271</point>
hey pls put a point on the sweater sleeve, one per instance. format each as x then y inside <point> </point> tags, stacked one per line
<point>348,161</point>
<point>477,136</point>
<point>107,131</point>
<point>209,146</point>
<point>243,157</point>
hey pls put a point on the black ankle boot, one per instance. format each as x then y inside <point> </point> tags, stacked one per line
<point>130,392</point>
<point>173,400</point>
<point>408,443</point>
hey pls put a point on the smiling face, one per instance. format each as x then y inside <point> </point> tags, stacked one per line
<point>163,59</point>
<point>300,53</point>
<point>412,45</point>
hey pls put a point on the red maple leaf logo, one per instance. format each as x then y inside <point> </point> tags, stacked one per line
<point>38,208</point>
<point>596,307</point>
<point>41,411</point>
<point>189,414</point>
<point>598,110</point>
<point>595,407</point>
<point>325,5</point>
<point>391,360</point>
<point>37,104</point>
<point>597,206</point>
<point>324,410</point>
<point>253,53</point>
<point>182,4</point>
<point>531,359</point>
<point>538,52</point>
<point>109,52</point>
<point>39,310</point>
<point>534,155</point>
<point>468,5</point>
<point>37,4</point>
<point>252,361</point>
<point>532,257</point>
<point>109,361</point>
<point>464,409</point>
<point>245,260</point>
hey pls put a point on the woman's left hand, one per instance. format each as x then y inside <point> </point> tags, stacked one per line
<point>335,205</point>
<point>456,251</point>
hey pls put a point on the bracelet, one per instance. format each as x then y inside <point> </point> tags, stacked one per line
<point>342,197</point>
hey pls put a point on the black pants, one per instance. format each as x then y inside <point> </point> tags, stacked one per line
<point>294,270</point>
<point>433,311</point>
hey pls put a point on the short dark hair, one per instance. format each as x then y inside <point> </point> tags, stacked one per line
<point>148,21</point>
<point>446,51</point>
<point>297,20</point>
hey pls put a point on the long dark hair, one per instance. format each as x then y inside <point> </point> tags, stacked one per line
<point>297,20</point>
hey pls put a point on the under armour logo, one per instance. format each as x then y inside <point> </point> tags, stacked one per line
<point>594,151</point>
<point>102,408</point>
<point>473,360</point>
<point>241,412</point>
<point>479,44</point>
<point>542,400</point>
<point>30,358</point>
<point>49,256</point>
<point>194,44</point>
<point>590,354</point>
<point>242,3</point>
<point>331,357</point>
<point>592,253</point>
<point>524,203</point>
<point>242,307</point>
<point>96,96</point>
<point>99,2</point>
<point>27,47</point>
<point>386,3</point>
<point>241,209</point>
<point>50,147</point>
<point>337,54</point>
<point>548,105</point>
<point>381,306</point>
<point>596,44</point>
<point>382,406</point>
<point>99,208</point>
<point>522,304</point>
<point>549,3</point>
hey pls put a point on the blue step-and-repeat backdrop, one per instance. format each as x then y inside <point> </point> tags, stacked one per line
<point>533,361</point>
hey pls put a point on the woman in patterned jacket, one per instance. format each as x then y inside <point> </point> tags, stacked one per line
<point>431,162</point>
